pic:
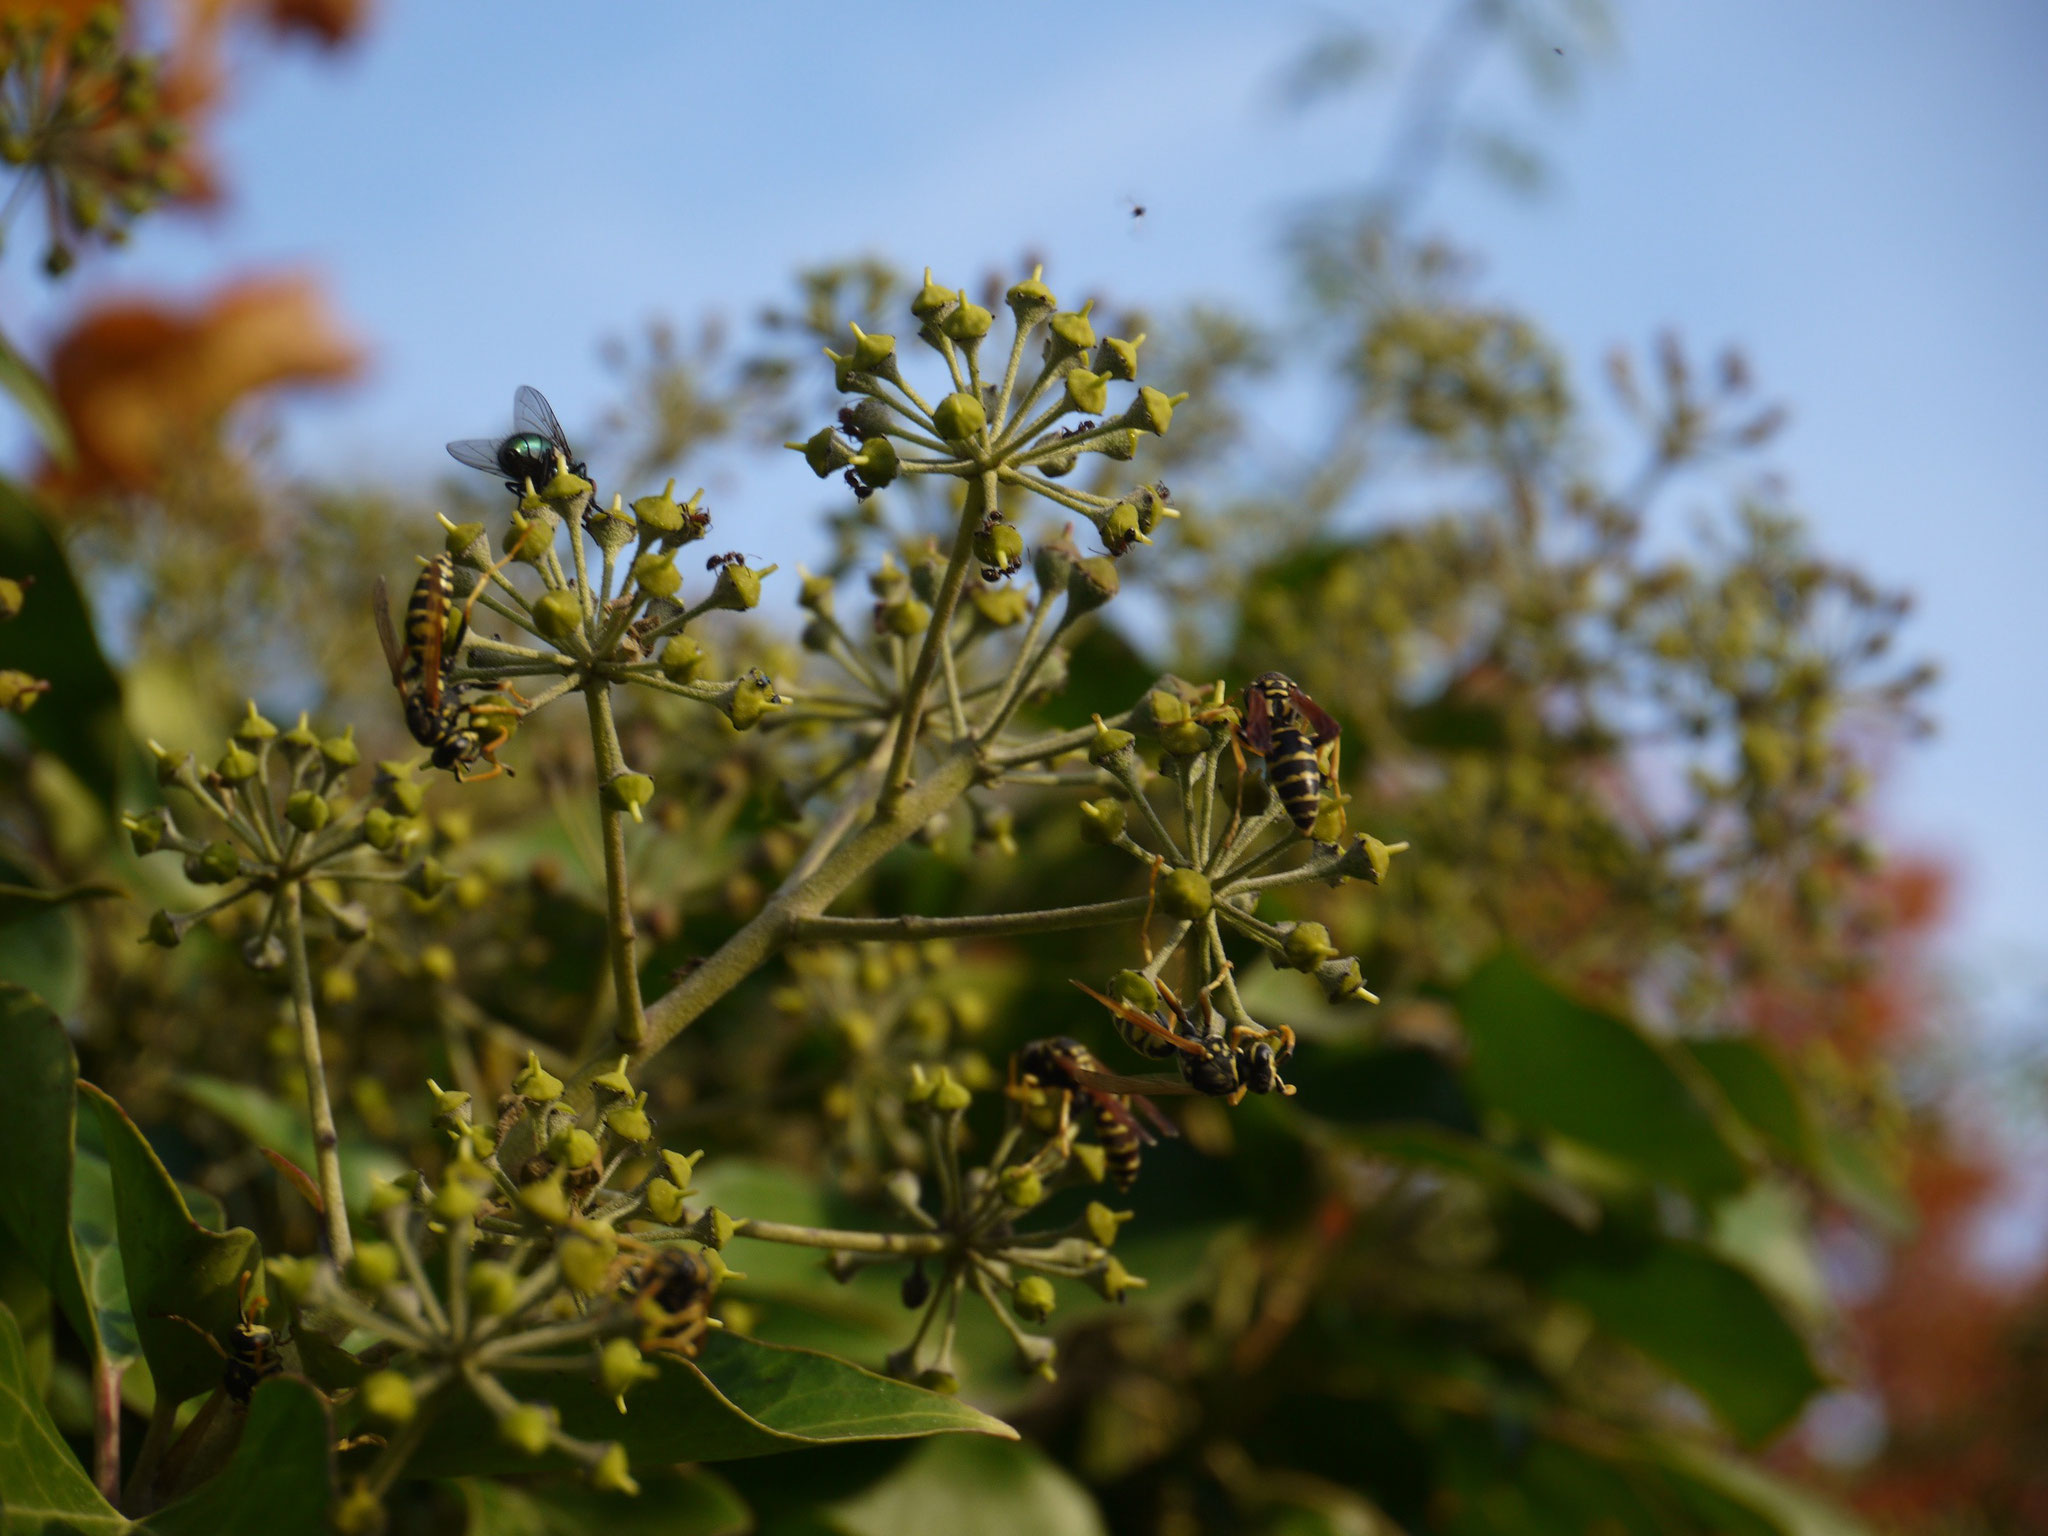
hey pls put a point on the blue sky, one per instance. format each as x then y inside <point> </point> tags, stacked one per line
<point>1851,192</point>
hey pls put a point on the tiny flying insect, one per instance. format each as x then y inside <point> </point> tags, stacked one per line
<point>1213,1063</point>
<point>527,456</point>
<point>1290,730</point>
<point>672,1298</point>
<point>252,1357</point>
<point>457,731</point>
<point>1060,1064</point>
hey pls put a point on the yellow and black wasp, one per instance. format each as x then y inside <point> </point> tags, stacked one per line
<point>1290,731</point>
<point>1067,1067</point>
<point>458,730</point>
<point>252,1355</point>
<point>672,1298</point>
<point>1217,1063</point>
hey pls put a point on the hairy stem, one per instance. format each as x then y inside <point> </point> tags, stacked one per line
<point>326,1142</point>
<point>980,497</point>
<point>833,930</point>
<point>905,1244</point>
<point>619,933</point>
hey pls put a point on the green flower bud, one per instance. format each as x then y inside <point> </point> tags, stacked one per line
<point>872,354</point>
<point>629,1122</point>
<point>738,588</point>
<point>527,1428</point>
<point>564,487</point>
<point>1165,708</point>
<point>164,931</point>
<point>12,596</point>
<point>1307,946</point>
<point>146,832</point>
<point>949,1096</point>
<point>1093,583</point>
<point>1087,392</point>
<point>387,1395</point>
<point>659,514</point>
<point>825,451</point>
<point>752,697</point>
<point>373,1267</point>
<point>1343,982</point>
<point>959,416</point>
<point>300,739</point>
<point>1368,859</point>
<point>877,462</point>
<point>217,864</point>
<point>945,1383</point>
<point>558,614</point>
<point>621,1367</point>
<point>1032,1298</point>
<point>586,1260</point>
<point>714,1229</point>
<point>1000,607</point>
<point>341,752</point>
<point>426,879</point>
<point>1136,989</point>
<point>1184,738</point>
<point>931,298</point>
<point>1112,1280</point>
<point>628,792</point>
<point>610,527</point>
<point>253,728</point>
<point>682,659</point>
<point>656,575</point>
<point>574,1148</point>
<point>1120,528</point>
<point>1117,358</point>
<point>815,594</point>
<point>455,1202</point>
<point>1185,893</point>
<point>236,765</point>
<point>466,542</point>
<point>681,1168</point>
<point>967,323</point>
<point>1070,334</point>
<point>386,1196</point>
<point>1021,1186</point>
<point>664,1202</point>
<point>1030,301</point>
<point>307,810</point>
<point>535,1083</point>
<point>19,692</point>
<point>403,795</point>
<point>493,1287</point>
<point>612,1473</point>
<point>545,1200</point>
<point>907,617</point>
<point>1092,1161</point>
<point>380,828</point>
<point>1152,411</point>
<point>1103,1223</point>
<point>294,1276</point>
<point>359,1512</point>
<point>528,538</point>
<point>1103,821</point>
<point>615,1081</point>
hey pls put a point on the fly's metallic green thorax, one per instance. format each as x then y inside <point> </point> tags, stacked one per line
<point>527,456</point>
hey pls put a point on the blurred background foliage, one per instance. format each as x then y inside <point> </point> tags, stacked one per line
<point>1617,1185</point>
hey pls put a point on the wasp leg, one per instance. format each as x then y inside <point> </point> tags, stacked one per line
<point>484,580</point>
<point>1330,777</point>
<point>1151,892</point>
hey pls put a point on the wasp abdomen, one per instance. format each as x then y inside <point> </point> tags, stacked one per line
<point>1295,776</point>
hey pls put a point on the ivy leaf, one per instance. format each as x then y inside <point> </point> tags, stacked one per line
<point>280,1479</point>
<point>964,1483</point>
<point>1749,1074</point>
<point>38,1112</point>
<point>80,723</point>
<point>276,1126</point>
<point>42,1486</point>
<point>738,1399</point>
<point>683,1503</point>
<point>175,1267</point>
<point>1560,1065</point>
<point>1422,1144</point>
<point>26,388</point>
<point>1709,1324</point>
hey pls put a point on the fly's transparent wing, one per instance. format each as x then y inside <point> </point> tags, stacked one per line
<point>478,453</point>
<point>532,413</point>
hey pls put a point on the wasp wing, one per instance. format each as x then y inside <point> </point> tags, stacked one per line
<point>532,413</point>
<point>1143,1021</point>
<point>1113,1105</point>
<point>1258,721</point>
<point>478,453</point>
<point>394,655</point>
<point>1156,1083</point>
<point>433,632</point>
<point>1318,718</point>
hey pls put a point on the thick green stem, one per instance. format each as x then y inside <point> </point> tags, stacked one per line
<point>619,933</point>
<point>839,930</point>
<point>326,1141</point>
<point>980,497</point>
<point>904,1244</point>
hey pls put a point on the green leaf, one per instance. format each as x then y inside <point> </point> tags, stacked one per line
<point>42,1486</point>
<point>175,1267</point>
<point>737,1399</point>
<point>27,389</point>
<point>1424,1145</point>
<point>97,1234</point>
<point>1557,1064</point>
<point>20,902</point>
<point>1856,1173</point>
<point>959,1483</point>
<point>1709,1324</point>
<point>1785,1507</point>
<point>280,1479</point>
<point>692,1502</point>
<point>269,1122</point>
<point>38,1111</point>
<point>1756,1083</point>
<point>79,721</point>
